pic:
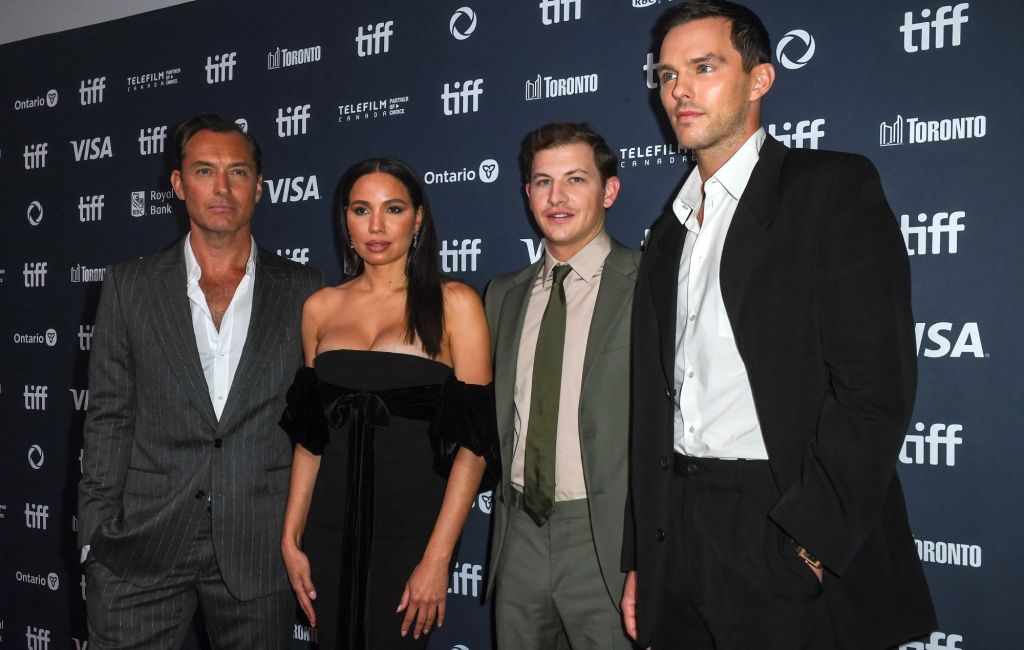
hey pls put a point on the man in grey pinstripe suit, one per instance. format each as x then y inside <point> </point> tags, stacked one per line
<point>185,470</point>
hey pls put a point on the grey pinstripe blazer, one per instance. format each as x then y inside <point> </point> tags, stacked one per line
<point>154,449</point>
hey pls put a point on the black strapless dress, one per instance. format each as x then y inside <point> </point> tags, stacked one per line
<point>387,426</point>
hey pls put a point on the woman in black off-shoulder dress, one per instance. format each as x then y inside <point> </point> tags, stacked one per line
<point>393,423</point>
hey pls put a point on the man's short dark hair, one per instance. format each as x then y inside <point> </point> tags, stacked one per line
<point>559,134</point>
<point>749,35</point>
<point>216,123</point>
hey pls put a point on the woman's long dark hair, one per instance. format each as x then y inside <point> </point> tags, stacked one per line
<point>424,303</point>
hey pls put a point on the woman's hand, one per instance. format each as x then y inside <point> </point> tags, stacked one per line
<point>423,599</point>
<point>297,564</point>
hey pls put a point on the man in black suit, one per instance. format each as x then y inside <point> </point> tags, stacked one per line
<point>185,471</point>
<point>774,372</point>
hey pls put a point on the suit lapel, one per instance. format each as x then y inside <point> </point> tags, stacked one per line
<point>613,304</point>
<point>172,325</point>
<point>510,328</point>
<point>749,237</point>
<point>664,281</point>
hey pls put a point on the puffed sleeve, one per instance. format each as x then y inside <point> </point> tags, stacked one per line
<point>303,418</point>
<point>466,418</point>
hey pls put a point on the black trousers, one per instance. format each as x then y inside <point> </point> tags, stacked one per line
<point>737,582</point>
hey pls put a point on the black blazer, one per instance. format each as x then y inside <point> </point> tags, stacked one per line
<point>154,448</point>
<point>816,284</point>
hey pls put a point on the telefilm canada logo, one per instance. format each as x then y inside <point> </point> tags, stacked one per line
<point>548,87</point>
<point>373,109</point>
<point>914,130</point>
<point>150,80</point>
<point>652,155</point>
<point>49,100</point>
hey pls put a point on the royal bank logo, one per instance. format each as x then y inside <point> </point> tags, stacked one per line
<point>90,208</point>
<point>466,579</point>
<point>292,120</point>
<point>927,34</point>
<point>81,273</point>
<point>548,87</point>
<point>462,97</point>
<point>787,47</point>
<point>37,638</point>
<point>553,12</point>
<point>940,340</point>
<point>138,204</point>
<point>36,516</point>
<point>651,71</point>
<point>151,140</point>
<point>34,274</point>
<point>291,190</point>
<point>807,134</point>
<point>148,80</point>
<point>90,91</point>
<point>460,256</point>
<point>375,39</point>
<point>486,172</point>
<point>372,109</point>
<point>641,4</point>
<point>936,234</point>
<point>937,641</point>
<point>48,101</point>
<point>282,57</point>
<point>914,130</point>
<point>652,155</point>
<point>220,68</point>
<point>949,553</point>
<point>936,447</point>
<point>36,457</point>
<point>92,148</point>
<point>35,155</point>
<point>462,23</point>
<point>48,338</point>
<point>84,337</point>
<point>34,214</point>
<point>300,255</point>
<point>158,202</point>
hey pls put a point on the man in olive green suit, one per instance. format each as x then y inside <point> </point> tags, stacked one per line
<point>560,335</point>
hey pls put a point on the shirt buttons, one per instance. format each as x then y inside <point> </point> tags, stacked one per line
<point>690,374</point>
<point>663,462</point>
<point>692,317</point>
<point>692,429</point>
<point>659,535</point>
<point>220,397</point>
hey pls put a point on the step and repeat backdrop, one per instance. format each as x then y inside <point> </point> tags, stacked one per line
<point>925,89</point>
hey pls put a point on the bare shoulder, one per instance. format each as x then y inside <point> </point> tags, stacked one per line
<point>460,299</point>
<point>324,301</point>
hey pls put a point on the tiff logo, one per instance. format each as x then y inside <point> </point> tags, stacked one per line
<point>466,580</point>
<point>947,16</point>
<point>81,398</point>
<point>35,274</point>
<point>938,436</point>
<point>151,140</point>
<point>943,226</point>
<point>91,91</point>
<point>459,257</point>
<point>465,98</point>
<point>937,641</point>
<point>292,120</point>
<point>35,397</point>
<point>651,70</point>
<point>375,40</point>
<point>37,638</point>
<point>84,337</point>
<point>300,255</point>
<point>36,516</point>
<point>806,135</point>
<point>220,68</point>
<point>556,11</point>
<point>90,208</point>
<point>35,155</point>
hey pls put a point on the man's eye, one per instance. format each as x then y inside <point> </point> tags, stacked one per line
<point>667,77</point>
<point>705,68</point>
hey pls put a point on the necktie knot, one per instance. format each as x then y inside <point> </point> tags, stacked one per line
<point>559,273</point>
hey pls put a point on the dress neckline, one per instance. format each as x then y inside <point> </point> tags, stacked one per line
<point>386,352</point>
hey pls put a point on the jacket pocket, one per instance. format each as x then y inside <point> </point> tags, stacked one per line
<point>149,484</point>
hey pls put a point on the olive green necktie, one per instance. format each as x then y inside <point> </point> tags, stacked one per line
<point>539,488</point>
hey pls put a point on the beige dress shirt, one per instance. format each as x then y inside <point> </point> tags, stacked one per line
<point>581,287</point>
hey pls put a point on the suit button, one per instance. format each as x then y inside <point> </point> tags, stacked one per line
<point>659,535</point>
<point>663,463</point>
<point>218,443</point>
<point>668,393</point>
<point>200,495</point>
<point>691,469</point>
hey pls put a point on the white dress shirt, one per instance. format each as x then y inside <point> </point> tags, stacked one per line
<point>219,351</point>
<point>715,415</point>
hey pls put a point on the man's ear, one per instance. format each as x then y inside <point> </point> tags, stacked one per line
<point>762,76</point>
<point>176,184</point>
